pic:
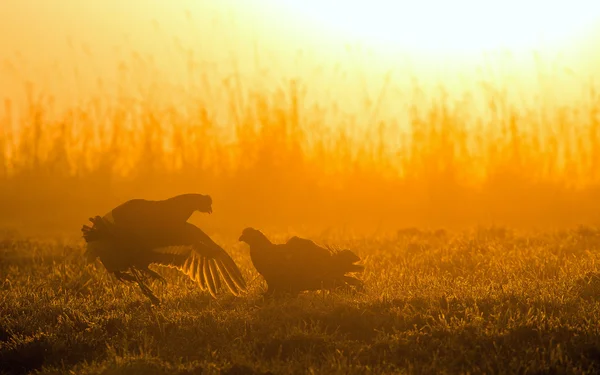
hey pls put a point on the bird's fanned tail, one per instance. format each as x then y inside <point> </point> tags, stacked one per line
<point>98,231</point>
<point>347,260</point>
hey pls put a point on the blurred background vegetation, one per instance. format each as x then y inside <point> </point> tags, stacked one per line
<point>312,143</point>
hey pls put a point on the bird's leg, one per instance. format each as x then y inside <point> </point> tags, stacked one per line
<point>142,274</point>
<point>124,276</point>
<point>273,293</point>
<point>147,292</point>
<point>154,275</point>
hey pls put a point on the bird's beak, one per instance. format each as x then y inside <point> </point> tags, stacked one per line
<point>241,238</point>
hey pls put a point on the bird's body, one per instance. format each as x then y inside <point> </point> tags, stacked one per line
<point>144,215</point>
<point>140,233</point>
<point>300,264</point>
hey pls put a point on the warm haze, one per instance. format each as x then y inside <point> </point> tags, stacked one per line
<point>452,147</point>
<point>207,90</point>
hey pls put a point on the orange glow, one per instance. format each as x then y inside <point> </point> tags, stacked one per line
<point>299,186</point>
<point>334,105</point>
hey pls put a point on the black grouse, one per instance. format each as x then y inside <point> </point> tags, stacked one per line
<point>300,264</point>
<point>141,232</point>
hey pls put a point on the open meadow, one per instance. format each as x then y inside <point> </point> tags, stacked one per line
<point>482,301</point>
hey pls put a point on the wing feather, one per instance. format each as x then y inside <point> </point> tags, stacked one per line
<point>193,270</point>
<point>186,265</point>
<point>200,273</point>
<point>209,279</point>
<point>215,273</point>
<point>231,284</point>
<point>203,263</point>
<point>234,272</point>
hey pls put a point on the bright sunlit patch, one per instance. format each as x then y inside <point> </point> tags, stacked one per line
<point>449,25</point>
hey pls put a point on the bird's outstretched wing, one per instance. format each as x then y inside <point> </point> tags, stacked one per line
<point>205,262</point>
<point>185,247</point>
<point>204,266</point>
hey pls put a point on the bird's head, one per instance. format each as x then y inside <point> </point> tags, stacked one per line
<point>253,236</point>
<point>202,203</point>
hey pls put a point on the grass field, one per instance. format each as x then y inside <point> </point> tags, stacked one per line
<point>488,300</point>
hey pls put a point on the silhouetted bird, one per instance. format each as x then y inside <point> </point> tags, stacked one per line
<point>300,264</point>
<point>141,232</point>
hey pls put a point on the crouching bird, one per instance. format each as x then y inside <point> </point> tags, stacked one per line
<point>300,264</point>
<point>141,232</point>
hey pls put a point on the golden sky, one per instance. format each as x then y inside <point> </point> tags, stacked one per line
<point>45,40</point>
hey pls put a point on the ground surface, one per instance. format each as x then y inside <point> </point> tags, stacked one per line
<point>487,301</point>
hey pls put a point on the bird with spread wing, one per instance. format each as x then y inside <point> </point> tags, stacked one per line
<point>142,232</point>
<point>300,264</point>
